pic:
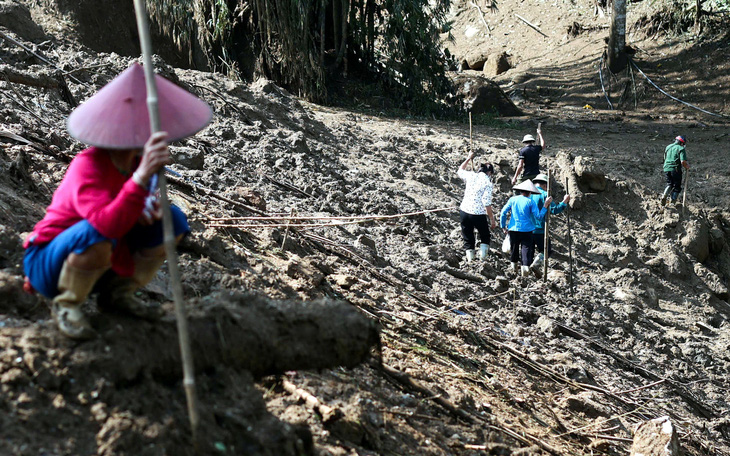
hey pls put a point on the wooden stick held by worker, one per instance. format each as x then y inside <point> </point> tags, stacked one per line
<point>168,229</point>
<point>547,237</point>
<point>684,195</point>
<point>471,144</point>
<point>570,250</point>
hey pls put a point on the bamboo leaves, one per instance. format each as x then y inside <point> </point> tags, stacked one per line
<point>300,43</point>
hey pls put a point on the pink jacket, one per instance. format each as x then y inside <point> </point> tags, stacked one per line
<point>93,189</point>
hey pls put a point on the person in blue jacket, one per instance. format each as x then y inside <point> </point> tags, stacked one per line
<point>523,216</point>
<point>538,236</point>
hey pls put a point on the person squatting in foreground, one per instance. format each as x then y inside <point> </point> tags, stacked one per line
<point>538,236</point>
<point>523,215</point>
<point>475,207</point>
<point>675,158</point>
<point>103,230</point>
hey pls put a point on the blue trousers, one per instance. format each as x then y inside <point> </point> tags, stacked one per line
<point>43,263</point>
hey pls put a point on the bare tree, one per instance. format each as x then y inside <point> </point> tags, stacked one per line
<point>617,59</point>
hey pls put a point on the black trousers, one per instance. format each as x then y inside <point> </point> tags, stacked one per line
<point>521,242</point>
<point>468,223</point>
<point>674,181</point>
<point>538,240</point>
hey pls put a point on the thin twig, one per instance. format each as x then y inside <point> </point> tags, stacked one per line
<point>641,387</point>
<point>90,67</point>
<point>288,186</point>
<point>481,16</point>
<point>609,437</point>
<point>528,23</point>
<point>286,232</point>
<point>35,54</point>
<point>452,308</point>
<point>340,217</point>
<point>22,105</point>
<point>604,420</point>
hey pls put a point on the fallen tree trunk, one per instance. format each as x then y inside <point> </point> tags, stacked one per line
<point>237,330</point>
<point>42,80</point>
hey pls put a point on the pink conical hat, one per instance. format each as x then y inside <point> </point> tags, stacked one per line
<point>117,117</point>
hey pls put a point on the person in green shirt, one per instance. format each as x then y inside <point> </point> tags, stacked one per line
<point>675,158</point>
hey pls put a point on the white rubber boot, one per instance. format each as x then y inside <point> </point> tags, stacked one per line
<point>513,267</point>
<point>538,261</point>
<point>525,271</point>
<point>483,251</point>
<point>470,255</point>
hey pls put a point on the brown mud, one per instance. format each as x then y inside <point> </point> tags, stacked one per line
<point>475,361</point>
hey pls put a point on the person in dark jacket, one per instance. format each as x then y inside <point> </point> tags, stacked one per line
<point>529,157</point>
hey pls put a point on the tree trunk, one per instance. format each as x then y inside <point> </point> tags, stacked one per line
<point>336,20</point>
<point>698,17</point>
<point>370,42</point>
<point>322,18</point>
<point>241,331</point>
<point>617,59</point>
<point>343,41</point>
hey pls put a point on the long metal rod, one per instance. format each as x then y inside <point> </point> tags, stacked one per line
<point>168,230</point>
<point>545,249</point>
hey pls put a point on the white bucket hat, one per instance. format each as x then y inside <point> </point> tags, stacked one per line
<point>528,138</point>
<point>540,178</point>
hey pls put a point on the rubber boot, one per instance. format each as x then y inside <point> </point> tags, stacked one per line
<point>538,261</point>
<point>469,255</point>
<point>664,196</point>
<point>483,251</point>
<point>119,292</point>
<point>513,267</point>
<point>525,271</point>
<point>74,286</point>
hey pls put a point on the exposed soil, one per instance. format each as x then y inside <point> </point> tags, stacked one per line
<point>475,361</point>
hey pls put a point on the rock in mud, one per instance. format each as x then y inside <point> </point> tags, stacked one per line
<point>657,437</point>
<point>475,59</point>
<point>481,95</point>
<point>588,404</point>
<point>188,157</point>
<point>696,241</point>
<point>548,326</point>
<point>496,64</point>
<point>712,281</point>
<point>590,177</point>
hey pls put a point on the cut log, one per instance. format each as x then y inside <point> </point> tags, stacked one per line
<point>237,330</point>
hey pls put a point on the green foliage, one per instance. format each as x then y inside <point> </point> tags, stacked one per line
<point>412,56</point>
<point>304,44</point>
<point>196,24</point>
<point>174,20</point>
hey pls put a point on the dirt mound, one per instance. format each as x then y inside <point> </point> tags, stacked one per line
<point>476,361</point>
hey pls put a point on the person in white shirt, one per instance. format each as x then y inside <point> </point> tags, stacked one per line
<point>475,207</point>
